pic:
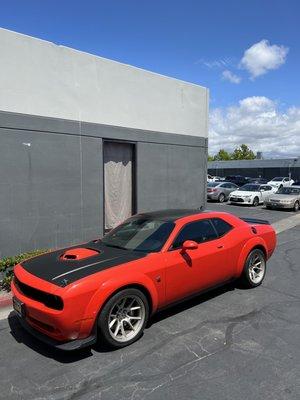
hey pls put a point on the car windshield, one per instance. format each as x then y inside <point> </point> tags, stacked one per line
<point>249,187</point>
<point>289,190</point>
<point>139,234</point>
<point>277,179</point>
<point>213,184</point>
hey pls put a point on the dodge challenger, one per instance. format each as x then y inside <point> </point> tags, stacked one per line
<point>108,288</point>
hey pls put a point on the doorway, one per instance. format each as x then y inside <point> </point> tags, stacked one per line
<point>119,182</point>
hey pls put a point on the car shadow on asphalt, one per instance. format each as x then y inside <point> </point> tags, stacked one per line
<point>65,357</point>
<point>22,336</point>
<point>192,302</point>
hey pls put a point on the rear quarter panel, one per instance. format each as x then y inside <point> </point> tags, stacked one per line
<point>265,238</point>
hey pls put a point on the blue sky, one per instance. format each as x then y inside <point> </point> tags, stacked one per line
<point>203,42</point>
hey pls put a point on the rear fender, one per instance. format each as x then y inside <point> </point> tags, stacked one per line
<point>109,287</point>
<point>249,245</point>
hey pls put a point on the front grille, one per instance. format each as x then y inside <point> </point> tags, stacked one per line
<point>237,199</point>
<point>49,300</point>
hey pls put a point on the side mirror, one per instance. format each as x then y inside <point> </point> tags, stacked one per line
<point>189,245</point>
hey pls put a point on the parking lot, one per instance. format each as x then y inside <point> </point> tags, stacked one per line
<point>228,344</point>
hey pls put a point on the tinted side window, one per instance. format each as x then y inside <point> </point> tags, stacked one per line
<point>199,231</point>
<point>221,226</point>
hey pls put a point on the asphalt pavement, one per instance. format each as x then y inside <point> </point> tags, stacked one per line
<point>229,344</point>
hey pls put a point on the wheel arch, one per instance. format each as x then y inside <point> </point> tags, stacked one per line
<point>255,243</point>
<point>262,248</point>
<point>137,286</point>
<point>110,288</point>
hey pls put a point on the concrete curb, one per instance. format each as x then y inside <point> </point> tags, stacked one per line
<point>5,299</point>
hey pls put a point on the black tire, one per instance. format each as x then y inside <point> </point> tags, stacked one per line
<point>247,279</point>
<point>268,207</point>
<point>296,206</point>
<point>221,198</point>
<point>255,201</point>
<point>105,334</point>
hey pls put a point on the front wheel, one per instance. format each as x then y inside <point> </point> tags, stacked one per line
<point>296,206</point>
<point>221,198</point>
<point>123,318</point>
<point>254,269</point>
<point>255,202</point>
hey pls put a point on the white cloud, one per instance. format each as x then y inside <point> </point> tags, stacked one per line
<point>231,77</point>
<point>258,122</point>
<point>262,57</point>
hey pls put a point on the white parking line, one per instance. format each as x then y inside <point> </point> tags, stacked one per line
<point>4,313</point>
<point>286,223</point>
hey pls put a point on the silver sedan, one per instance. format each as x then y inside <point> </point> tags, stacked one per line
<point>286,197</point>
<point>220,191</point>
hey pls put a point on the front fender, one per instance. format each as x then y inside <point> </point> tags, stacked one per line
<point>113,285</point>
<point>249,245</point>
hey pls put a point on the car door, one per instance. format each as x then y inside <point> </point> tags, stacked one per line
<point>226,189</point>
<point>266,191</point>
<point>198,269</point>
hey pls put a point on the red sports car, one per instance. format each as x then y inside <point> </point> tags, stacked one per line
<point>108,288</point>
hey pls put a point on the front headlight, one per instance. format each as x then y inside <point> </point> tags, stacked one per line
<point>286,201</point>
<point>247,197</point>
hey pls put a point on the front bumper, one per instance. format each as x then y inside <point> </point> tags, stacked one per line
<point>240,200</point>
<point>68,328</point>
<point>279,205</point>
<point>65,346</point>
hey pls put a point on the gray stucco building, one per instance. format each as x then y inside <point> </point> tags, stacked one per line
<point>85,141</point>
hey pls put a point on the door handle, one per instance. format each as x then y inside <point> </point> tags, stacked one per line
<point>220,246</point>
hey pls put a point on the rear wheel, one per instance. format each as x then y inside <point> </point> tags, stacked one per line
<point>255,201</point>
<point>254,269</point>
<point>296,206</point>
<point>221,198</point>
<point>123,318</point>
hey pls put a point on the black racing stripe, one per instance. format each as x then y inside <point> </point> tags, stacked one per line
<point>51,268</point>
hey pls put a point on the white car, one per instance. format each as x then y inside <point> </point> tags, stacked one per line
<point>251,194</point>
<point>281,181</point>
<point>211,178</point>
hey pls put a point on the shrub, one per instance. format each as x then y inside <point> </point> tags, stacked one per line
<point>7,266</point>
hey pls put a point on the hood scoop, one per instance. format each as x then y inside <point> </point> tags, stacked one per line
<point>78,254</point>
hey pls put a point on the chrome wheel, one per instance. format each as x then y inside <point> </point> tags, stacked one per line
<point>257,267</point>
<point>126,318</point>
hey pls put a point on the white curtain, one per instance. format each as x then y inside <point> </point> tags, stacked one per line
<point>117,183</point>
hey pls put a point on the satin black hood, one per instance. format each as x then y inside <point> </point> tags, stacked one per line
<point>52,267</point>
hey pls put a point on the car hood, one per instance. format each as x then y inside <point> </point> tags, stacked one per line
<point>54,268</point>
<point>242,193</point>
<point>283,197</point>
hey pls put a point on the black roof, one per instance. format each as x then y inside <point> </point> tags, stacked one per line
<point>169,215</point>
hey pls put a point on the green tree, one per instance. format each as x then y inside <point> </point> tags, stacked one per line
<point>243,152</point>
<point>222,155</point>
<point>210,158</point>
